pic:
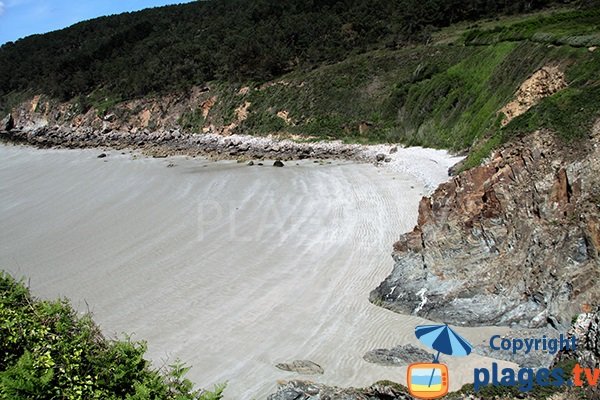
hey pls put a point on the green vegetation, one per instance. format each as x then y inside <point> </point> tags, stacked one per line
<point>192,121</point>
<point>575,28</point>
<point>47,352</point>
<point>175,47</point>
<point>363,71</point>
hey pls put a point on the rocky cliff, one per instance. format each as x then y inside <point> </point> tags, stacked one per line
<point>514,241</point>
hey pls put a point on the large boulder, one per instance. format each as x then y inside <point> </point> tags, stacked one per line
<point>7,123</point>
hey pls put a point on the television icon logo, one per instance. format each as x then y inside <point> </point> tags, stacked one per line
<point>427,380</point>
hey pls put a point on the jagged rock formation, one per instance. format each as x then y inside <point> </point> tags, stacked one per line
<point>7,123</point>
<point>587,331</point>
<point>512,242</point>
<point>301,390</point>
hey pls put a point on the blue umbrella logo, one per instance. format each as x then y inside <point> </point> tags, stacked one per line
<point>443,339</point>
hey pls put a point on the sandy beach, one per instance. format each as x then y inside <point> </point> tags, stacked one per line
<point>230,268</point>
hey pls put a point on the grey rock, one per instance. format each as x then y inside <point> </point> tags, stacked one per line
<point>512,242</point>
<point>102,155</point>
<point>388,159</point>
<point>300,390</point>
<point>7,123</point>
<point>304,367</point>
<point>289,394</point>
<point>398,356</point>
<point>380,157</point>
<point>278,163</point>
<point>586,330</point>
<point>250,163</point>
<point>393,149</point>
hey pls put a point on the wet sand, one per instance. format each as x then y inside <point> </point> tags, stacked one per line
<point>227,267</point>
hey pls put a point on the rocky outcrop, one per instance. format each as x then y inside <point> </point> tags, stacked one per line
<point>586,330</point>
<point>7,123</point>
<point>300,390</point>
<point>398,356</point>
<point>512,242</point>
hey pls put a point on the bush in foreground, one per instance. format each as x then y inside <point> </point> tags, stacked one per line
<point>47,351</point>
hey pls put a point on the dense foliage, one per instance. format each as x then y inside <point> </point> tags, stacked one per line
<point>175,47</point>
<point>48,352</point>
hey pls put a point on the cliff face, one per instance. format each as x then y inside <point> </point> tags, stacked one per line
<point>512,242</point>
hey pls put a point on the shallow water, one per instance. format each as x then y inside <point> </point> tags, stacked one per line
<point>227,267</point>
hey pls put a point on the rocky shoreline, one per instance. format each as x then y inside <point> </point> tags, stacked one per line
<point>174,142</point>
<point>216,146</point>
<point>512,242</point>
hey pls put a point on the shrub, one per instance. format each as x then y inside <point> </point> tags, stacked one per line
<point>48,351</point>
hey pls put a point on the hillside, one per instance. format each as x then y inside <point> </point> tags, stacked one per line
<point>176,47</point>
<point>447,92</point>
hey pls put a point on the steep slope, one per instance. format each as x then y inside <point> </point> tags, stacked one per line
<point>514,241</point>
<point>446,94</point>
<point>177,47</point>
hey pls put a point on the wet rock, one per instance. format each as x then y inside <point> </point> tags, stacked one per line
<point>380,157</point>
<point>278,163</point>
<point>102,155</point>
<point>398,356</point>
<point>304,367</point>
<point>388,159</point>
<point>393,149</point>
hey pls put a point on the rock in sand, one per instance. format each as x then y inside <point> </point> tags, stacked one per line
<point>304,367</point>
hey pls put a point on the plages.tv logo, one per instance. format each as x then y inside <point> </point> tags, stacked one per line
<point>431,380</point>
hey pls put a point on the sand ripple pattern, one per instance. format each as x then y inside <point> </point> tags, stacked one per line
<point>230,268</point>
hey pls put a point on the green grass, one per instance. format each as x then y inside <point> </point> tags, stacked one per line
<point>192,121</point>
<point>573,27</point>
